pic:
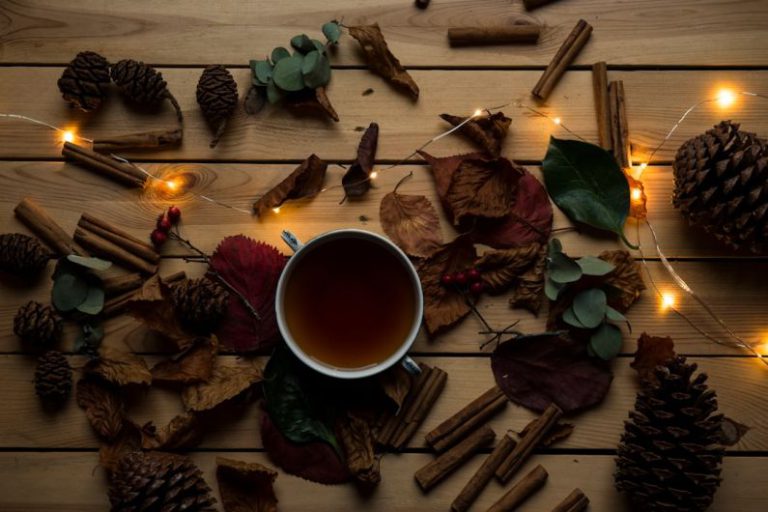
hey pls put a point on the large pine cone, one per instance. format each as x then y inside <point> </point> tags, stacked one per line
<point>53,377</point>
<point>85,81</point>
<point>217,97</point>
<point>140,83</point>
<point>22,255</point>
<point>721,184</point>
<point>669,457</point>
<point>158,482</point>
<point>37,325</point>
<point>200,304</point>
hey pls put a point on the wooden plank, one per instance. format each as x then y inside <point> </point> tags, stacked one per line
<point>23,426</point>
<point>276,134</point>
<point>657,32</point>
<point>72,482</point>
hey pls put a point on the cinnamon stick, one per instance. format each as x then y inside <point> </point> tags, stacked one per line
<point>521,491</point>
<point>467,419</point>
<point>574,502</point>
<point>113,252</point>
<point>119,237</point>
<point>156,139</point>
<point>602,105</point>
<point>116,305</point>
<point>533,4</point>
<point>118,285</point>
<point>483,475</point>
<point>562,59</point>
<point>523,450</point>
<point>619,127</point>
<point>42,224</point>
<point>436,470</point>
<point>104,165</point>
<point>481,36</point>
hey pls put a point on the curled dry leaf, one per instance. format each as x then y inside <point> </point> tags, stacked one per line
<point>225,383</point>
<point>444,306</point>
<point>528,293</point>
<point>153,305</point>
<point>182,432</point>
<point>396,383</point>
<point>488,132</point>
<point>732,431</point>
<point>443,170</point>
<point>312,100</point>
<point>558,432</point>
<point>246,486</point>
<point>652,351</point>
<point>483,188</point>
<point>626,278</point>
<point>501,269</point>
<point>305,181</point>
<point>190,366</point>
<point>381,61</point>
<point>535,371</point>
<point>356,180</point>
<point>127,441</point>
<point>412,223</point>
<point>119,366</point>
<point>356,439</point>
<point>103,406</point>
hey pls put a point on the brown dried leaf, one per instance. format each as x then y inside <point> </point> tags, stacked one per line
<point>443,170</point>
<point>305,181</point>
<point>181,433</point>
<point>127,441</point>
<point>246,486</point>
<point>502,269</point>
<point>189,367</point>
<point>444,306</point>
<point>103,406</point>
<point>625,278</point>
<point>652,351</point>
<point>411,222</point>
<point>396,383</point>
<point>312,100</point>
<point>225,383</point>
<point>255,100</point>
<point>488,132</point>
<point>558,432</point>
<point>381,61</point>
<point>152,304</point>
<point>529,291</point>
<point>483,188</point>
<point>119,367</point>
<point>731,431</point>
<point>356,180</point>
<point>356,439</point>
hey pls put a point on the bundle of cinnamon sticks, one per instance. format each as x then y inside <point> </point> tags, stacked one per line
<point>106,166</point>
<point>610,107</point>
<point>115,245</point>
<point>564,57</point>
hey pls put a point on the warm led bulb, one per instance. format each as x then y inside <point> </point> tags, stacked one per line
<point>637,194</point>
<point>667,300</point>
<point>68,136</point>
<point>726,98</point>
<point>374,175</point>
<point>557,121</point>
<point>276,209</point>
<point>478,113</point>
<point>171,185</point>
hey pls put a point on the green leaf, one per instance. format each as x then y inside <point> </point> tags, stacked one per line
<point>332,31</point>
<point>274,94</point>
<point>287,73</point>
<point>316,70</point>
<point>319,46</point>
<point>262,71</point>
<point>585,181</point>
<point>89,339</point>
<point>616,317</point>
<point>279,54</point>
<point>569,317</point>
<point>69,291</point>
<point>606,342</point>
<point>302,43</point>
<point>562,269</point>
<point>555,246</point>
<point>92,263</point>
<point>594,266</point>
<point>94,301</point>
<point>589,307</point>
<point>552,289</point>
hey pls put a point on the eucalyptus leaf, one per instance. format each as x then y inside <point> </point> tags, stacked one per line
<point>555,246</point>
<point>92,263</point>
<point>552,289</point>
<point>332,31</point>
<point>606,341</point>
<point>69,291</point>
<point>616,317</point>
<point>279,54</point>
<point>590,306</point>
<point>287,74</point>
<point>262,70</point>
<point>274,94</point>
<point>562,269</point>
<point>316,70</point>
<point>302,43</point>
<point>89,339</point>
<point>585,181</point>
<point>570,318</point>
<point>94,301</point>
<point>594,266</point>
<point>319,46</point>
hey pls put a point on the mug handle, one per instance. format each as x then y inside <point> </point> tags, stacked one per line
<point>410,365</point>
<point>291,240</point>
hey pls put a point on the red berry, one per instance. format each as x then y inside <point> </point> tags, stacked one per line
<point>477,287</point>
<point>158,237</point>
<point>164,224</point>
<point>473,274</point>
<point>460,277</point>
<point>447,279</point>
<point>174,213</point>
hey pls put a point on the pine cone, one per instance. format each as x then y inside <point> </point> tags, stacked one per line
<point>721,184</point>
<point>669,457</point>
<point>53,377</point>
<point>22,255</point>
<point>200,304</point>
<point>140,83</point>
<point>37,325</point>
<point>158,482</point>
<point>85,81</point>
<point>217,97</point>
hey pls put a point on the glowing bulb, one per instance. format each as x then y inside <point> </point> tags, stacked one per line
<point>557,121</point>
<point>68,136</point>
<point>374,175</point>
<point>276,209</point>
<point>637,194</point>
<point>667,300</point>
<point>643,166</point>
<point>171,185</point>
<point>726,98</point>
<point>478,113</point>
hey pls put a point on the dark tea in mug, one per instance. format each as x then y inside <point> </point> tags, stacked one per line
<point>349,302</point>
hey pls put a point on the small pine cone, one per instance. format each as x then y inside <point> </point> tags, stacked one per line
<point>53,377</point>
<point>158,482</point>
<point>217,97</point>
<point>37,325</point>
<point>22,255</point>
<point>140,83</point>
<point>85,81</point>
<point>200,304</point>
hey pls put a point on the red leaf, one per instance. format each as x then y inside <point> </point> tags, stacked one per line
<point>316,461</point>
<point>534,371</point>
<point>253,268</point>
<point>652,351</point>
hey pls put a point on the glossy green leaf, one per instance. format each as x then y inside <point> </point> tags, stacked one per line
<point>274,94</point>
<point>279,54</point>
<point>92,263</point>
<point>302,43</point>
<point>570,318</point>
<point>69,291</point>
<point>262,71</point>
<point>585,181</point>
<point>589,307</point>
<point>606,341</point>
<point>332,31</point>
<point>316,70</point>
<point>594,266</point>
<point>287,74</point>
<point>562,269</point>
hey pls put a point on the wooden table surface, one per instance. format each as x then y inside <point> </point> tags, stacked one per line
<point>670,54</point>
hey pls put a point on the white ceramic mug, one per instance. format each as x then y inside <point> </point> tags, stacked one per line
<point>303,250</point>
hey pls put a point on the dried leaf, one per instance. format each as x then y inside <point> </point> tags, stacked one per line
<point>312,101</point>
<point>652,351</point>
<point>314,461</point>
<point>732,431</point>
<point>443,170</point>
<point>411,222</point>
<point>488,132</point>
<point>626,278</point>
<point>181,433</point>
<point>103,406</point>
<point>557,433</point>
<point>255,100</point>
<point>444,306</point>
<point>189,367</point>
<point>119,367</point>
<point>356,180</point>
<point>396,383</point>
<point>305,181</point>
<point>483,188</point>
<point>246,486</point>
<point>502,269</point>
<point>152,304</point>
<point>534,371</point>
<point>357,440</point>
<point>381,61</point>
<point>253,268</point>
<point>530,286</point>
<point>225,383</point>
<point>127,441</point>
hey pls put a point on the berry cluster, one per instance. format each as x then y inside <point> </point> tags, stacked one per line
<point>164,224</point>
<point>470,278</point>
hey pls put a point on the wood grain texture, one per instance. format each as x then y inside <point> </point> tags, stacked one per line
<point>71,482</point>
<point>644,32</point>
<point>655,100</point>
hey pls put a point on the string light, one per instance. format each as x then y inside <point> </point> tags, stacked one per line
<point>374,175</point>
<point>557,121</point>
<point>637,194</point>
<point>276,209</point>
<point>667,301</point>
<point>478,112</point>
<point>68,136</point>
<point>725,98</point>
